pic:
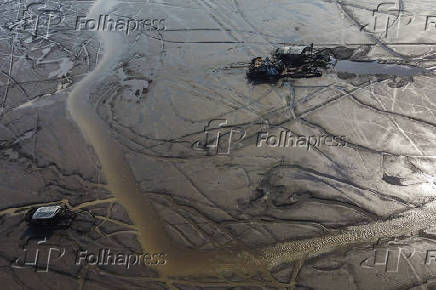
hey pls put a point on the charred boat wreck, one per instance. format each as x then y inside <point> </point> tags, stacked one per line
<point>291,62</point>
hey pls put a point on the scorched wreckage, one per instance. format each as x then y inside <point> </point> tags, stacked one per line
<point>291,62</point>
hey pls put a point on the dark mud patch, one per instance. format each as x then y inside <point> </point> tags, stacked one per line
<point>346,75</point>
<point>392,180</point>
<point>397,83</point>
<point>342,52</point>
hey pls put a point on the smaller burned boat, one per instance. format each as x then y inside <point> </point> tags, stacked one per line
<point>50,216</point>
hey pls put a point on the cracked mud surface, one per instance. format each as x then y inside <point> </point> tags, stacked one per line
<point>114,126</point>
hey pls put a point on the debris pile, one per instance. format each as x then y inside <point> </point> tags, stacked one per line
<point>292,62</point>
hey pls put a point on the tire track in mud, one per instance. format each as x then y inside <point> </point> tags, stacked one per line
<point>245,18</point>
<point>234,34</point>
<point>220,19</point>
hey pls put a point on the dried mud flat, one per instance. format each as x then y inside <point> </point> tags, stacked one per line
<point>114,125</point>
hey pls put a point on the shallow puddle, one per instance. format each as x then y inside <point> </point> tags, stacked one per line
<point>376,68</point>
